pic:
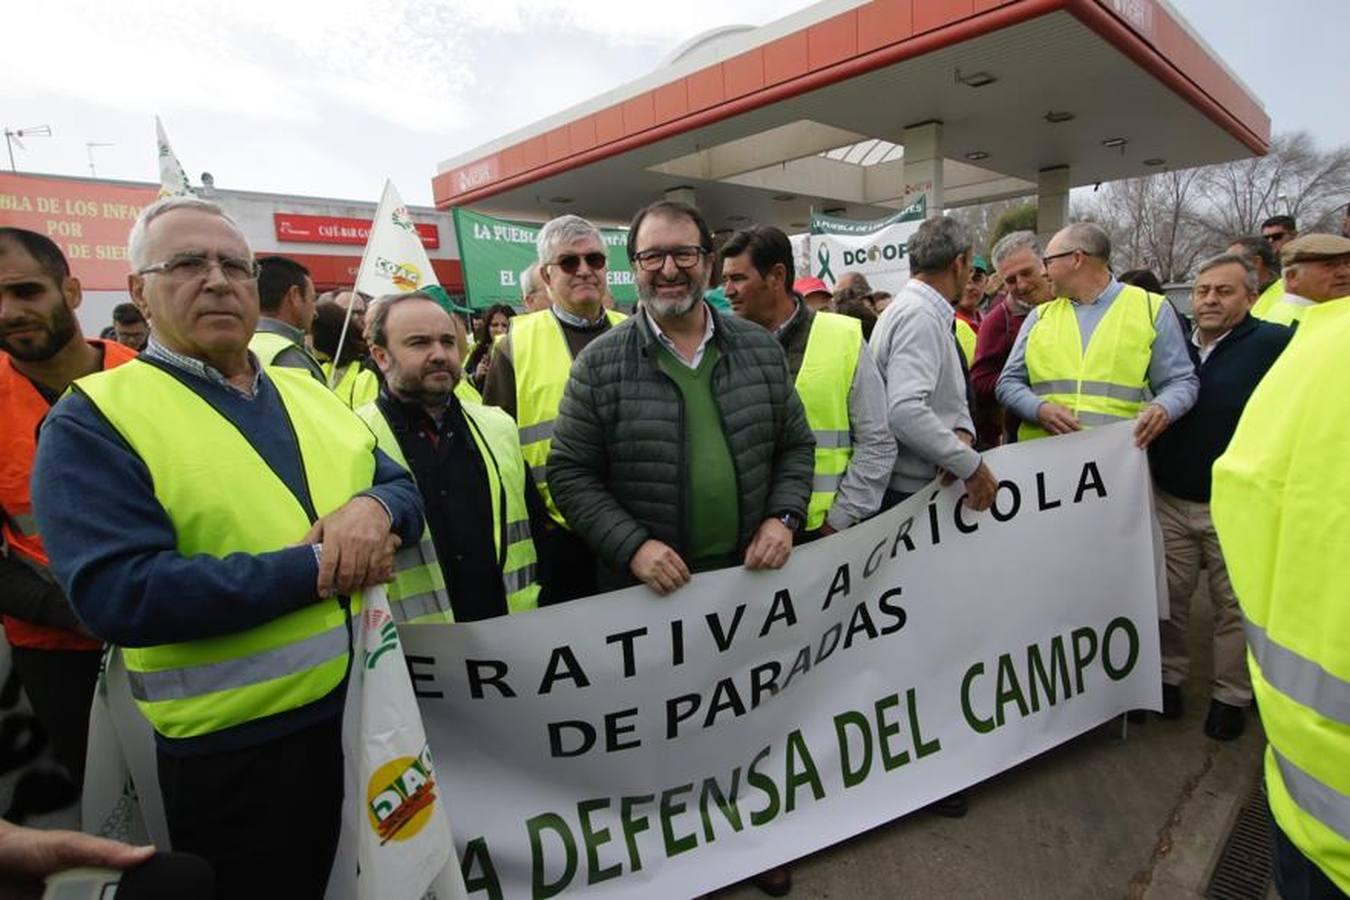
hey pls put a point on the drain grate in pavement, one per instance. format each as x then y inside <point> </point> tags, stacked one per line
<point>1246,864</point>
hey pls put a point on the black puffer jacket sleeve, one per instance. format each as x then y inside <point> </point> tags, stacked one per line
<point>578,465</point>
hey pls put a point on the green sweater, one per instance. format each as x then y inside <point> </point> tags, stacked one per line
<point>709,496</point>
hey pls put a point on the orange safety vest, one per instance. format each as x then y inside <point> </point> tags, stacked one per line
<point>22,410</point>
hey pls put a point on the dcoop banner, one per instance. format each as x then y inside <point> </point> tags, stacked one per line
<point>493,253</point>
<point>630,745</point>
<point>875,248</point>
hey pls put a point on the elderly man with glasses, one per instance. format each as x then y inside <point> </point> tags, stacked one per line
<point>218,521</point>
<point>1101,352</point>
<point>530,368</point>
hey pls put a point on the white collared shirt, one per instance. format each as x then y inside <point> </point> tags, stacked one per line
<point>670,344</point>
<point>1207,349</point>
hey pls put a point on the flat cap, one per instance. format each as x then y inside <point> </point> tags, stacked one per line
<point>1314,246</point>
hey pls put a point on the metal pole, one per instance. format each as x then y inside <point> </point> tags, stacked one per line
<point>9,145</point>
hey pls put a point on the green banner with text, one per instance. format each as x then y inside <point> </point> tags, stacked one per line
<point>493,252</point>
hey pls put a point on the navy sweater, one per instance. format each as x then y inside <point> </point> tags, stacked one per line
<point>1181,458</point>
<point>114,549</point>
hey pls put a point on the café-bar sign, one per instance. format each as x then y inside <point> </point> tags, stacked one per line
<point>295,228</point>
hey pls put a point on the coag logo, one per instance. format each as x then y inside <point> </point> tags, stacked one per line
<point>401,797</point>
<point>405,276</point>
<point>401,218</point>
<point>377,621</point>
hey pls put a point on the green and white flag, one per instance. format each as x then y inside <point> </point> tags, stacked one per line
<point>173,180</point>
<point>875,248</point>
<point>394,262</point>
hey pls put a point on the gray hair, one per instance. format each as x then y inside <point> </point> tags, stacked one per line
<point>1015,241</point>
<point>1090,238</point>
<point>530,281</point>
<point>136,240</point>
<point>564,230</point>
<point>938,243</point>
<point>377,315</point>
<point>1232,259</point>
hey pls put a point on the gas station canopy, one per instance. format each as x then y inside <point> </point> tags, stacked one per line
<point>860,108</point>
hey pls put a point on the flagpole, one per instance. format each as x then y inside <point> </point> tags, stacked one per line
<point>361,270</point>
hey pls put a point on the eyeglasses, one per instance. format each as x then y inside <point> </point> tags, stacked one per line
<point>978,276</point>
<point>1045,260</point>
<point>1277,236</point>
<point>654,260</point>
<point>570,262</point>
<point>196,265</point>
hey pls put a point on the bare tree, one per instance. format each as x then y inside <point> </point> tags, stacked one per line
<point>1154,223</point>
<point>1168,222</point>
<point>1294,179</point>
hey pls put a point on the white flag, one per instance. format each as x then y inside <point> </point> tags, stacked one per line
<point>395,842</point>
<point>395,261</point>
<point>173,181</point>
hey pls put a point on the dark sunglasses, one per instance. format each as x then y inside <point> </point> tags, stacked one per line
<point>570,262</point>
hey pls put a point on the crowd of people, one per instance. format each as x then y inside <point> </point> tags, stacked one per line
<point>219,477</point>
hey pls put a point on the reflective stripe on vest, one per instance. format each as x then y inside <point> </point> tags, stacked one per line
<point>1299,679</point>
<point>419,593</point>
<point>223,498</point>
<point>1104,384</point>
<point>542,364</point>
<point>1278,511</point>
<point>823,383</point>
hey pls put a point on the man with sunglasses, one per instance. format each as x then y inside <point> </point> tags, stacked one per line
<point>530,368</point>
<point>1277,231</point>
<point>1101,352</point>
<point>217,520</point>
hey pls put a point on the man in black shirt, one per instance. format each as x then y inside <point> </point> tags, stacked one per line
<point>1232,352</point>
<point>481,503</point>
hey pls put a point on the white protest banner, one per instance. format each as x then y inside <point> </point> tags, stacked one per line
<point>875,248</point>
<point>173,180</point>
<point>631,745</point>
<point>394,261</point>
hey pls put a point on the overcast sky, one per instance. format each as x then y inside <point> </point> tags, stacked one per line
<point>327,97</point>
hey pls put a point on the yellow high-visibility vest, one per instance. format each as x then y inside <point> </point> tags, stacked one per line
<point>1109,382</point>
<point>542,364</point>
<point>418,593</point>
<point>223,498</point>
<point>966,337</point>
<point>357,386</point>
<point>1269,297</point>
<point>1279,506</point>
<point>823,383</point>
<point>1286,313</point>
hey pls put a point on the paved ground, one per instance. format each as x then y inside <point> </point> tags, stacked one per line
<point>1137,816</point>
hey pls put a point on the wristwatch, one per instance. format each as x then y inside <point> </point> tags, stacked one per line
<point>791,521</point>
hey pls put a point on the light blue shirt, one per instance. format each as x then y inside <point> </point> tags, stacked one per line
<point>1171,373</point>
